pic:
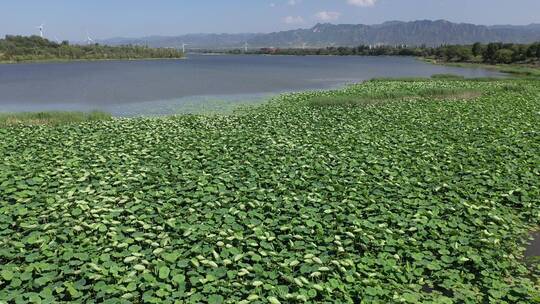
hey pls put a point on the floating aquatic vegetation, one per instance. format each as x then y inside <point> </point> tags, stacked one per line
<point>403,202</point>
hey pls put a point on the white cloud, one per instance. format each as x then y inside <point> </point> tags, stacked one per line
<point>272,5</point>
<point>364,3</point>
<point>327,16</point>
<point>293,19</point>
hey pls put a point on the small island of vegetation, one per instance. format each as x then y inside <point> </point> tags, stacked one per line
<point>20,49</point>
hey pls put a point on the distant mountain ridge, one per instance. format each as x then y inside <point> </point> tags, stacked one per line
<point>192,40</point>
<point>421,32</point>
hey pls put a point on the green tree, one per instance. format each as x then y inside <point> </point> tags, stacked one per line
<point>19,48</point>
<point>503,56</point>
<point>464,53</point>
<point>533,51</point>
<point>490,51</point>
<point>520,52</point>
<point>477,49</point>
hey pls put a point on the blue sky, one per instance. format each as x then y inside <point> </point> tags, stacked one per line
<point>70,19</point>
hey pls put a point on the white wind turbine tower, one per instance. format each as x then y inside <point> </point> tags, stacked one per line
<point>41,27</point>
<point>184,47</point>
<point>89,39</point>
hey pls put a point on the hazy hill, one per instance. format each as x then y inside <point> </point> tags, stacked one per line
<point>193,40</point>
<point>395,32</point>
<point>391,33</point>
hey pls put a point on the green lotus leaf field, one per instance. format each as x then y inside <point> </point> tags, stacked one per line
<point>419,191</point>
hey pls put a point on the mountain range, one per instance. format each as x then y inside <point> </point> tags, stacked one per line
<point>421,32</point>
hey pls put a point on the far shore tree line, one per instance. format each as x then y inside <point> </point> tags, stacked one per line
<point>21,48</point>
<point>492,53</point>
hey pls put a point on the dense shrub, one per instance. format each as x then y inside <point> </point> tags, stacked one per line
<point>19,48</point>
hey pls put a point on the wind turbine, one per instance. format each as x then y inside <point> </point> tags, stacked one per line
<point>246,45</point>
<point>89,39</point>
<point>41,29</point>
<point>57,40</point>
<point>184,47</point>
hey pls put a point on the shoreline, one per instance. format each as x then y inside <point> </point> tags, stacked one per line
<point>268,96</point>
<point>85,60</point>
<point>516,69</point>
<point>525,70</point>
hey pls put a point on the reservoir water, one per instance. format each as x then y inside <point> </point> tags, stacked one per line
<point>155,87</point>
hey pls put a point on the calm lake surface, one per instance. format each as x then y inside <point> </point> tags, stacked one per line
<point>131,88</point>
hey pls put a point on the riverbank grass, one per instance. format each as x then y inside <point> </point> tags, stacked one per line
<point>53,118</point>
<point>377,98</point>
<point>516,70</point>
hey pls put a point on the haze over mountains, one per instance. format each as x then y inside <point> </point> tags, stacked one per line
<point>422,32</point>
